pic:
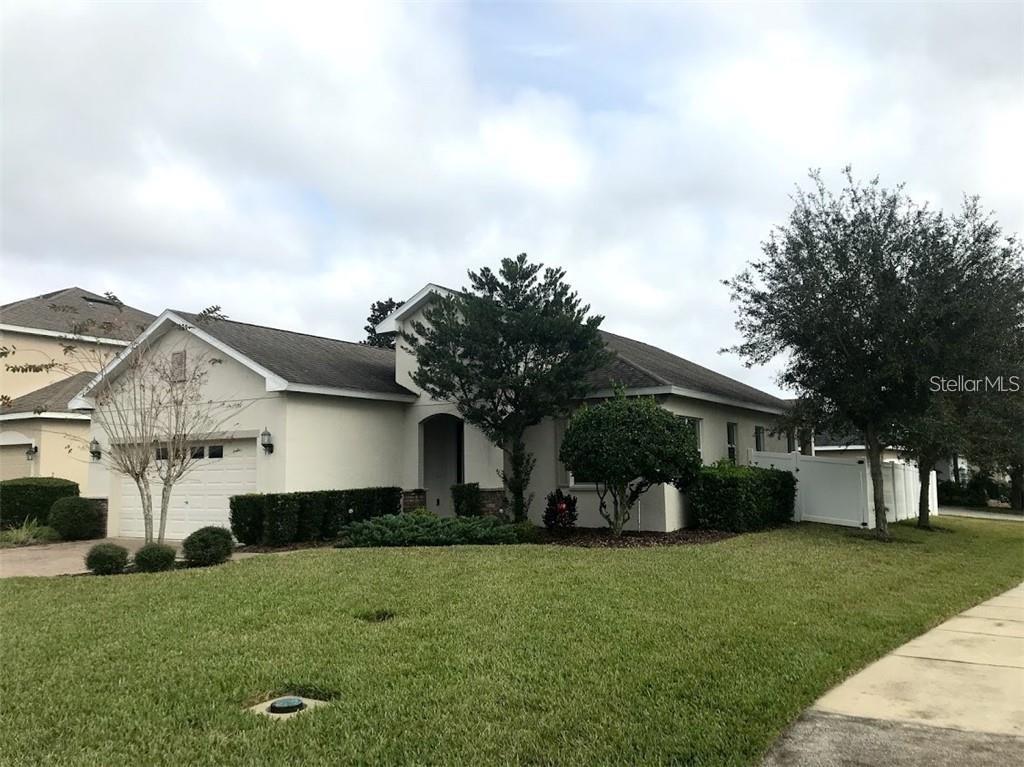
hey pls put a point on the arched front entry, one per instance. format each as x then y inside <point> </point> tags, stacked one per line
<point>442,460</point>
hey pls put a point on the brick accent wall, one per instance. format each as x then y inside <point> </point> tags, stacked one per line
<point>413,499</point>
<point>493,502</point>
<point>103,506</point>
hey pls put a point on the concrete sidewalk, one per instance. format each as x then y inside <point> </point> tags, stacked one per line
<point>957,511</point>
<point>953,696</point>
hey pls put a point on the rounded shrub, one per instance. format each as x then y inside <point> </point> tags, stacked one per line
<point>107,559</point>
<point>208,546</point>
<point>76,519</point>
<point>154,558</point>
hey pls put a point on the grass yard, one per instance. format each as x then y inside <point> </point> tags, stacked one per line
<point>690,655</point>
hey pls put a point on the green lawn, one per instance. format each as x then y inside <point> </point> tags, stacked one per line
<point>535,654</point>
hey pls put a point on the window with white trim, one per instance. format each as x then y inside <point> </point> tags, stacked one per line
<point>759,439</point>
<point>178,367</point>
<point>731,433</point>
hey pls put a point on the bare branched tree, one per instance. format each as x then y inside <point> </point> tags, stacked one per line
<point>152,407</point>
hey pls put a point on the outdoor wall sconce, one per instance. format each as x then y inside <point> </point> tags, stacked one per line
<point>30,454</point>
<point>94,450</point>
<point>267,441</point>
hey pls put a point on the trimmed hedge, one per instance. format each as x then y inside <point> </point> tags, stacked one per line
<point>742,498</point>
<point>31,498</point>
<point>422,528</point>
<point>207,546</point>
<point>77,519</point>
<point>466,500</point>
<point>278,519</point>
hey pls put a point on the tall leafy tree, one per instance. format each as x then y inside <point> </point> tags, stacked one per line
<point>967,288</point>
<point>379,310</point>
<point>831,294</point>
<point>512,349</point>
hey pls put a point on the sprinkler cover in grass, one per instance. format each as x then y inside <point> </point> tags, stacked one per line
<point>287,705</point>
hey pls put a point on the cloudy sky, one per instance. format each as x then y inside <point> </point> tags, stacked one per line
<point>293,163</point>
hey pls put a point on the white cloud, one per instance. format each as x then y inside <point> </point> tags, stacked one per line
<point>295,162</point>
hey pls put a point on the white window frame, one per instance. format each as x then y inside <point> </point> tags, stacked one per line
<point>732,451</point>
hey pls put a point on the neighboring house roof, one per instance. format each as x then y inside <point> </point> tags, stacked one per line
<point>300,358</point>
<point>641,366</point>
<point>51,400</point>
<point>830,441</point>
<point>105,318</point>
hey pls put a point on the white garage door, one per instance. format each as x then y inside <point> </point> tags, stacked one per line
<point>200,498</point>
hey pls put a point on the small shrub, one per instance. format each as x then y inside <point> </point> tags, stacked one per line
<point>526,532</point>
<point>154,558</point>
<point>466,500</point>
<point>28,533</point>
<point>77,519</point>
<point>247,518</point>
<point>207,546</point>
<point>31,498</point>
<point>560,512</point>
<point>741,498</point>
<point>107,559</point>
<point>418,529</point>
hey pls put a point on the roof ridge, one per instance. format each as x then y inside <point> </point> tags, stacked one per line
<point>193,315</point>
<point>51,294</point>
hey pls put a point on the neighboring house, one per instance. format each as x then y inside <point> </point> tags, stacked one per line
<point>847,447</point>
<point>345,415</point>
<point>39,436</point>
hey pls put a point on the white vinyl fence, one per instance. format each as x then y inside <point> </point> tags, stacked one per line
<point>839,492</point>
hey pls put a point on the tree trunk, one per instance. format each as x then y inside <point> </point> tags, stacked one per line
<point>518,479</point>
<point>147,509</point>
<point>619,511</point>
<point>956,469</point>
<point>1017,487</point>
<point>924,473</point>
<point>165,502</point>
<point>874,447</point>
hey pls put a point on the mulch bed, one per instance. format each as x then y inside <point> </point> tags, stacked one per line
<point>257,548</point>
<point>602,539</point>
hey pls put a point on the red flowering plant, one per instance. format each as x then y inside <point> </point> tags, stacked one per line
<point>560,512</point>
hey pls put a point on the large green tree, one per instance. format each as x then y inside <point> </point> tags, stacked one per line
<point>625,446</point>
<point>967,318</point>
<point>513,348</point>
<point>831,295</point>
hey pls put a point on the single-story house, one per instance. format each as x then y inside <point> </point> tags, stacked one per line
<point>319,413</point>
<point>39,435</point>
<point>847,447</point>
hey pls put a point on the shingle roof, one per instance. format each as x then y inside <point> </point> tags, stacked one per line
<point>59,310</point>
<point>309,360</point>
<point>827,439</point>
<point>640,365</point>
<point>52,398</point>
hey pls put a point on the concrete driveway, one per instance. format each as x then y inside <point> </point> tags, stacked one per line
<point>953,696</point>
<point>58,558</point>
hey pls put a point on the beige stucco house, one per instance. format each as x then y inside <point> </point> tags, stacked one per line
<point>39,435</point>
<point>318,413</point>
